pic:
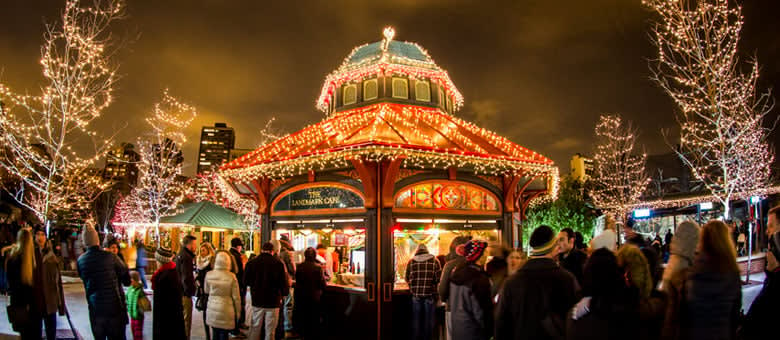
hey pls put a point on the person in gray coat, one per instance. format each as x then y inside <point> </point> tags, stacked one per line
<point>471,305</point>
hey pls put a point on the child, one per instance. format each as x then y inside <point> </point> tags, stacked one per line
<point>135,292</point>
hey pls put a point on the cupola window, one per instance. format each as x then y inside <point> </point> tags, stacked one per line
<point>422,91</point>
<point>400,88</point>
<point>370,89</point>
<point>350,94</point>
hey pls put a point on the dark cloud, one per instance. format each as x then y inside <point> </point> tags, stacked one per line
<point>538,72</point>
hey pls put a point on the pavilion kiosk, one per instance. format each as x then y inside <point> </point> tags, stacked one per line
<point>389,168</point>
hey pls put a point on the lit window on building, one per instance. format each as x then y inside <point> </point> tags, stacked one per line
<point>400,88</point>
<point>350,94</point>
<point>422,91</point>
<point>370,89</point>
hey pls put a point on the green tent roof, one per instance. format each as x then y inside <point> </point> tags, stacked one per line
<point>206,214</point>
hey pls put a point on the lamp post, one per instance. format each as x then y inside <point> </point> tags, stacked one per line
<point>754,204</point>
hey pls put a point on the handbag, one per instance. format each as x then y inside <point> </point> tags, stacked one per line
<point>18,316</point>
<point>201,301</point>
<point>143,303</point>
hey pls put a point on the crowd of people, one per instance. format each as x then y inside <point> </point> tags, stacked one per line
<point>687,286</point>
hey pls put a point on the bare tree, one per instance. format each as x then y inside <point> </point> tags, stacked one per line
<point>722,137</point>
<point>619,176</point>
<point>40,133</point>
<point>159,189</point>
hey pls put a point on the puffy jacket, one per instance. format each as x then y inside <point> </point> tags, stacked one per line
<point>185,265</point>
<point>267,279</point>
<point>472,309</point>
<point>133,294</point>
<point>224,302</point>
<point>102,273</point>
<point>712,302</point>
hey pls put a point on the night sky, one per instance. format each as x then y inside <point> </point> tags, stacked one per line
<point>537,72</point>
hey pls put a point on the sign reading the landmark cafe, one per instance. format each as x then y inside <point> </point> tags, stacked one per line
<point>322,197</point>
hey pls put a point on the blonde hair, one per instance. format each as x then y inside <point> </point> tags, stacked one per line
<point>715,242</point>
<point>25,249</point>
<point>635,264</point>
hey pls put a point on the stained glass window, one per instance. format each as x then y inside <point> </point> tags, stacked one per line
<point>446,196</point>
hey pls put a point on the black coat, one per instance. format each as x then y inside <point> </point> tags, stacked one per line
<point>574,263</point>
<point>471,303</point>
<point>185,266</point>
<point>309,286</point>
<point>267,279</point>
<point>539,289</point>
<point>712,302</point>
<point>763,311</point>
<point>240,266</point>
<point>102,273</point>
<point>20,294</point>
<point>167,311</point>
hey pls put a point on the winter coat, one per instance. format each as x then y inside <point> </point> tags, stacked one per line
<point>498,269</point>
<point>309,286</point>
<point>472,308</point>
<point>239,269</point>
<point>102,273</point>
<point>574,263</point>
<point>286,255</point>
<point>224,304</point>
<point>20,294</point>
<point>423,273</point>
<point>140,256</point>
<point>446,272</point>
<point>185,266</point>
<point>712,302</point>
<point>167,309</point>
<point>607,318</point>
<point>52,285</point>
<point>268,281</point>
<point>763,311</point>
<point>538,290</point>
<point>133,294</point>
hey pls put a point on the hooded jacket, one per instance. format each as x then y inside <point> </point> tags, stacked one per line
<point>471,306</point>
<point>102,273</point>
<point>224,304</point>
<point>423,273</point>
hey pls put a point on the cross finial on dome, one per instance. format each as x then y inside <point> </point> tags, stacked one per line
<point>389,33</point>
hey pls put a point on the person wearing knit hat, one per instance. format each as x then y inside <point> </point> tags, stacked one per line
<point>168,308</point>
<point>682,253</point>
<point>453,260</point>
<point>471,306</point>
<point>539,289</point>
<point>103,274</point>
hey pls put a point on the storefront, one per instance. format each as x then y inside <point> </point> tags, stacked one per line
<point>389,168</point>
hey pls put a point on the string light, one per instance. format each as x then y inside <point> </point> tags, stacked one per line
<point>619,176</point>
<point>79,81</point>
<point>722,138</point>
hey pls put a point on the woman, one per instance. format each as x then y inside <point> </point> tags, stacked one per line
<point>682,249</point>
<point>52,290</point>
<point>609,312</point>
<point>472,307</point>
<point>309,285</point>
<point>204,263</point>
<point>167,309</point>
<point>23,312</point>
<point>224,302</point>
<point>652,304</point>
<point>713,294</point>
<point>515,260</point>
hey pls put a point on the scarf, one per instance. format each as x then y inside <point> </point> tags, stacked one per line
<point>205,261</point>
<point>169,265</point>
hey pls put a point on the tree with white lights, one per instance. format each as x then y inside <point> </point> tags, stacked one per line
<point>40,133</point>
<point>159,189</point>
<point>619,176</point>
<point>722,137</point>
<point>219,192</point>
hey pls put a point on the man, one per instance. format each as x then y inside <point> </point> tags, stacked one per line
<point>101,273</point>
<point>535,300</point>
<point>185,267</point>
<point>570,258</point>
<point>763,311</point>
<point>267,278</point>
<point>453,260</point>
<point>286,255</point>
<point>422,274</point>
<point>140,261</point>
<point>236,247</point>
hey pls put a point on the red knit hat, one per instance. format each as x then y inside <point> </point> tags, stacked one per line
<point>472,250</point>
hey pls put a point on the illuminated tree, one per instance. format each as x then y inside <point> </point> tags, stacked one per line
<point>220,192</point>
<point>159,189</point>
<point>619,176</point>
<point>40,133</point>
<point>722,137</point>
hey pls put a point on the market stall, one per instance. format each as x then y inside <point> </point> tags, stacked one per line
<point>390,167</point>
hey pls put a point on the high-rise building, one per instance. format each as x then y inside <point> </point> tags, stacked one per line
<point>215,145</point>
<point>581,167</point>
<point>122,166</point>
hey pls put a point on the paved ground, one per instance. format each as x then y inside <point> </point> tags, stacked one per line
<point>77,305</point>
